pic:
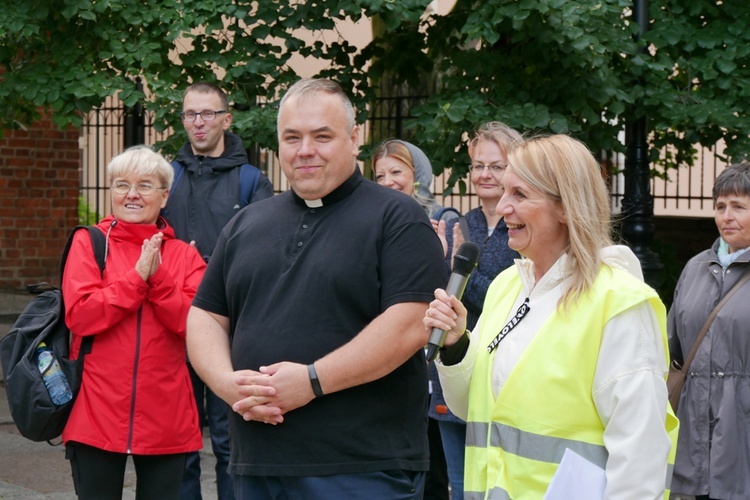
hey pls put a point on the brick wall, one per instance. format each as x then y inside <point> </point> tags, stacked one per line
<point>39,178</point>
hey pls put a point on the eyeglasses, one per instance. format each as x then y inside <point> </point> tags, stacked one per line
<point>207,116</point>
<point>143,188</point>
<point>495,168</point>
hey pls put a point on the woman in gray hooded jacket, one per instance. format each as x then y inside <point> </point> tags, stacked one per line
<point>402,166</point>
<point>713,449</point>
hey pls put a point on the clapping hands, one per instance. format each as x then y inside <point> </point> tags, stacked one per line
<point>150,257</point>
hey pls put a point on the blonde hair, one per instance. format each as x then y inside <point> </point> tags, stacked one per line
<point>142,161</point>
<point>563,169</point>
<point>395,148</point>
<point>496,132</point>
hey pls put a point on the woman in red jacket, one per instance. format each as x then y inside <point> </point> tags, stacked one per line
<point>136,397</point>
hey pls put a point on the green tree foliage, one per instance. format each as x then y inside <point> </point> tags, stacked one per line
<point>697,84</point>
<point>86,214</point>
<point>568,66</point>
<point>537,65</point>
<point>575,67</point>
<point>69,55</point>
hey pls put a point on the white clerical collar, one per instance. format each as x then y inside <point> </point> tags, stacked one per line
<point>338,194</point>
<point>314,203</point>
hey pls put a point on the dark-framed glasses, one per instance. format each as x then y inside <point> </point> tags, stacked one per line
<point>495,168</point>
<point>206,116</point>
<point>143,188</point>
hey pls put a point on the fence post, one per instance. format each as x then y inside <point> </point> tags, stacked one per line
<point>637,202</point>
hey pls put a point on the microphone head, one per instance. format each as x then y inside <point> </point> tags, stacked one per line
<point>466,258</point>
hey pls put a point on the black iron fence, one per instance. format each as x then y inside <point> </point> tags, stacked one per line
<point>109,129</point>
<point>685,192</point>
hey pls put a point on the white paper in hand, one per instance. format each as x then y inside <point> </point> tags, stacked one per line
<point>576,478</point>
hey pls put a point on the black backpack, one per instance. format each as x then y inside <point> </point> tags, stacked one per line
<point>43,320</point>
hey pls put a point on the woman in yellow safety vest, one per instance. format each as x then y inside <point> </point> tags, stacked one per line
<point>562,381</point>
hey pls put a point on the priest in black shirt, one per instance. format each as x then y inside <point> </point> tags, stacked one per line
<point>310,315</point>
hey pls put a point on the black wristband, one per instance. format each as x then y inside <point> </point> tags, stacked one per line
<point>454,354</point>
<point>314,382</point>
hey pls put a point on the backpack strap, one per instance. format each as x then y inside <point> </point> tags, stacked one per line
<point>178,171</point>
<point>249,176</point>
<point>442,210</point>
<point>99,243</point>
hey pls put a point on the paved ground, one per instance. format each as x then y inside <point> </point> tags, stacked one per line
<point>31,470</point>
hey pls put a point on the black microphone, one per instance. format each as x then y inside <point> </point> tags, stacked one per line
<point>463,264</point>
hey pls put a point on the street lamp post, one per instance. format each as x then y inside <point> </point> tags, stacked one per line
<point>637,202</point>
<point>135,121</point>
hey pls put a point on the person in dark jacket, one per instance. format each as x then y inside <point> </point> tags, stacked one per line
<point>489,158</point>
<point>207,193</point>
<point>404,167</point>
<point>713,450</point>
<point>135,398</point>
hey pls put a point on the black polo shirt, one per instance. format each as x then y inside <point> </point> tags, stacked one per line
<point>298,282</point>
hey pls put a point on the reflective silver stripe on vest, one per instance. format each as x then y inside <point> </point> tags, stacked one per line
<point>495,493</point>
<point>532,446</point>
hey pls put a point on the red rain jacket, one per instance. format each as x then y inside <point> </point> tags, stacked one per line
<point>136,396</point>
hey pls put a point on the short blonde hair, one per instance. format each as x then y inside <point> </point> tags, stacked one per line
<point>563,169</point>
<point>141,160</point>
<point>496,132</point>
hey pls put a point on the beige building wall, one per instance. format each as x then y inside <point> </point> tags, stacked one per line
<point>687,191</point>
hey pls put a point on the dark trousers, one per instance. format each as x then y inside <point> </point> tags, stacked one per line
<point>436,482</point>
<point>99,474</point>
<point>393,485</point>
<point>213,412</point>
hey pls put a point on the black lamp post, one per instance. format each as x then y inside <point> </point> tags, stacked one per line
<point>135,121</point>
<point>637,202</point>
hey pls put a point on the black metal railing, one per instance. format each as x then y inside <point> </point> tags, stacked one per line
<point>109,129</point>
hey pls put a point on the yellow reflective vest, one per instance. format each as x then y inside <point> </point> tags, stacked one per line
<point>515,443</point>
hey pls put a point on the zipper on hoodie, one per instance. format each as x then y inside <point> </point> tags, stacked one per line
<point>131,418</point>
